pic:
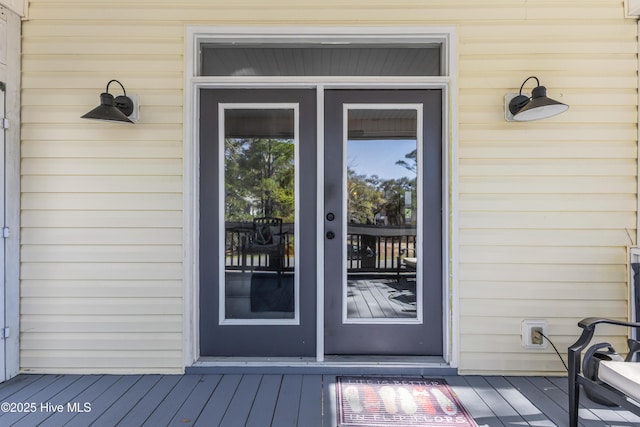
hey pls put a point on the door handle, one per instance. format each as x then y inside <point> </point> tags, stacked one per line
<point>330,235</point>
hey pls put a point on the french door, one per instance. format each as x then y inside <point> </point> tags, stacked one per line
<point>381,229</point>
<point>383,226</point>
<point>258,222</point>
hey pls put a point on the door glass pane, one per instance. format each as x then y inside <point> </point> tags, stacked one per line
<point>382,210</point>
<point>259,213</point>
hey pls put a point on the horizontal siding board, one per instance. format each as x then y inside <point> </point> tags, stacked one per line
<point>101,288</point>
<point>546,237</point>
<point>557,150</point>
<point>98,253</point>
<point>547,202</point>
<point>102,184</point>
<point>101,360</point>
<point>553,130</point>
<point>111,45</point>
<point>534,309</point>
<point>105,201</point>
<point>480,254</point>
<point>543,272</point>
<point>60,62</point>
<point>106,219</point>
<point>100,323</point>
<point>96,167</point>
<point>543,291</point>
<point>548,184</point>
<point>102,306</point>
<point>101,236</point>
<point>103,270</point>
<point>80,131</point>
<point>72,27</point>
<point>537,220</point>
<point>549,167</point>
<point>97,149</point>
<point>101,341</point>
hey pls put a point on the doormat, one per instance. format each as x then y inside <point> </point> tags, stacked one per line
<point>401,402</point>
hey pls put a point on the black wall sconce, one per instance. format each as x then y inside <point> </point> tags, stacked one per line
<point>122,108</point>
<point>521,108</point>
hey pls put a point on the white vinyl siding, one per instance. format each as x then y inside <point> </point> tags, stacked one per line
<point>545,210</point>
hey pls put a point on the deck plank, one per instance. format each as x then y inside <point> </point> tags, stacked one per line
<point>330,407</point>
<point>240,406</point>
<point>145,407</point>
<point>472,402</point>
<point>127,401</point>
<point>104,401</point>
<point>173,401</point>
<point>286,412</point>
<point>558,415</point>
<point>71,394</point>
<point>529,412</point>
<point>498,404</point>
<point>264,404</point>
<point>14,385</point>
<point>214,409</point>
<point>39,399</point>
<point>193,407</point>
<point>310,412</point>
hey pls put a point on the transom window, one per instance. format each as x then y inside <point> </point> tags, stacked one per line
<point>399,59</point>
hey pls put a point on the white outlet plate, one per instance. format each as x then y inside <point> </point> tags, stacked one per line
<point>529,324</point>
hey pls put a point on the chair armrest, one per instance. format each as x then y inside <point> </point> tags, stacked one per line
<point>591,322</point>
<point>589,328</point>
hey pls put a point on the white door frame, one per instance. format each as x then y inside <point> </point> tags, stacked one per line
<point>10,31</point>
<point>196,35</point>
<point>3,301</point>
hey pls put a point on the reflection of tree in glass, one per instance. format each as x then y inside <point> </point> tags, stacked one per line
<point>412,164</point>
<point>381,201</point>
<point>259,178</point>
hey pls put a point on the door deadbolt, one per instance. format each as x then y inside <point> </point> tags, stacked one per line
<point>330,216</point>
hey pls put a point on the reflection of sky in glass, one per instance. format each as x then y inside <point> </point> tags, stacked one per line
<point>379,157</point>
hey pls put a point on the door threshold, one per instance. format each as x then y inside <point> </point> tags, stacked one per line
<point>332,365</point>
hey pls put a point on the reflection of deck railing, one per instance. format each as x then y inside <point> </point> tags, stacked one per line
<point>369,248</point>
<point>374,248</point>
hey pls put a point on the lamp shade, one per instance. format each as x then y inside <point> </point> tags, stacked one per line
<point>539,106</point>
<point>112,109</point>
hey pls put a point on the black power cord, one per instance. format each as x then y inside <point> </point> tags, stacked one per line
<point>554,347</point>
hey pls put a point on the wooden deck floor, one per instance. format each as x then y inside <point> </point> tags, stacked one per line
<point>265,400</point>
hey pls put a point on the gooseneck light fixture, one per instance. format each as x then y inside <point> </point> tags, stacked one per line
<point>118,109</point>
<point>522,108</point>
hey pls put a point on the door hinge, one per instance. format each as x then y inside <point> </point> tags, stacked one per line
<point>5,232</point>
<point>4,332</point>
<point>4,123</point>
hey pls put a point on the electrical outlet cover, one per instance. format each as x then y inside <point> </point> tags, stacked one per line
<point>529,324</point>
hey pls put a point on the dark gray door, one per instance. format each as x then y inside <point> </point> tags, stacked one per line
<point>258,222</point>
<point>383,225</point>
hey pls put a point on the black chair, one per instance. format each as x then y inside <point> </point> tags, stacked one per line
<point>266,238</point>
<point>596,386</point>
